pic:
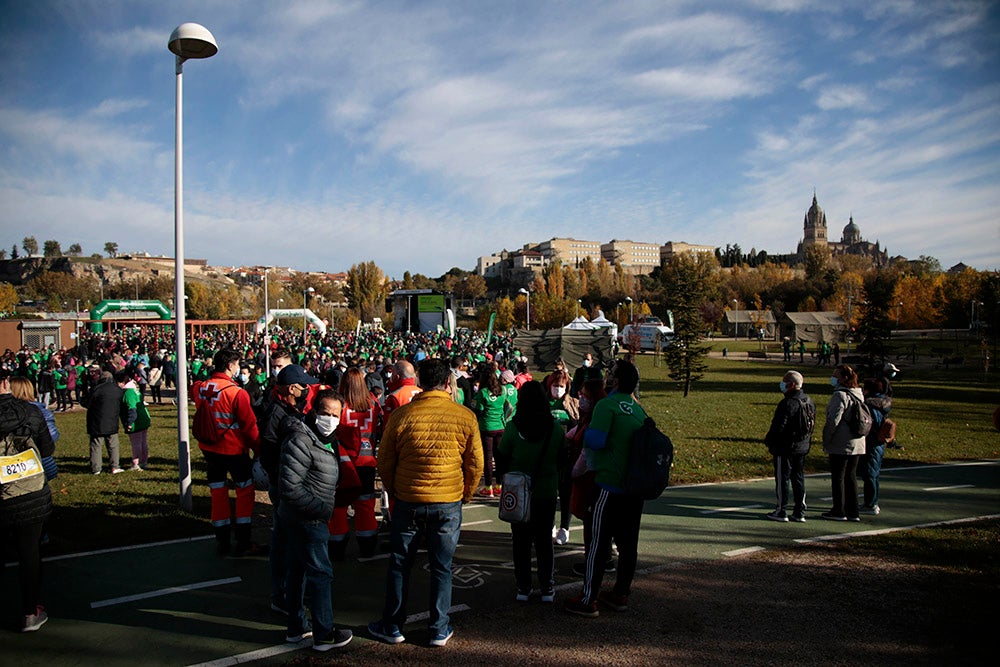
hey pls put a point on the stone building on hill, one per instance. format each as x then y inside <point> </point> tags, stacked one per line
<point>814,233</point>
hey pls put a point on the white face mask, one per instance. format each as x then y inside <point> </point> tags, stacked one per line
<point>586,363</point>
<point>558,392</point>
<point>326,424</point>
<point>244,378</point>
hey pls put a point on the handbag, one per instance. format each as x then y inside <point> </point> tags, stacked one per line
<point>515,495</point>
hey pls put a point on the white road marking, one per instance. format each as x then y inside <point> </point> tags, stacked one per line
<point>476,523</point>
<point>733,509</point>
<point>424,615</point>
<point>252,656</point>
<point>742,552</point>
<point>164,591</point>
<point>948,488</point>
<point>885,531</point>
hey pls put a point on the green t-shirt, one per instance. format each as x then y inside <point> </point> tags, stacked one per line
<point>619,416</point>
<point>522,455</point>
<point>132,400</point>
<point>59,377</point>
<point>490,410</point>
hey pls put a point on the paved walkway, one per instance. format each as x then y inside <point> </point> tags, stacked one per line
<point>180,604</point>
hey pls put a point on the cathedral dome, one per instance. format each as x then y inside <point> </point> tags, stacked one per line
<point>852,233</point>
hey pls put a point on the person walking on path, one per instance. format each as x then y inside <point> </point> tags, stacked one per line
<point>788,441</point>
<point>430,462</point>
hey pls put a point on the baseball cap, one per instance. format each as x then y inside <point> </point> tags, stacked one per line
<point>890,367</point>
<point>294,374</point>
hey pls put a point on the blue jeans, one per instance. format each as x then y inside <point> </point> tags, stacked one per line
<point>439,524</point>
<point>310,576</point>
<point>870,472</point>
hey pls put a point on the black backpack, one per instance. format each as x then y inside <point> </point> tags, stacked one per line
<point>807,420</point>
<point>649,461</point>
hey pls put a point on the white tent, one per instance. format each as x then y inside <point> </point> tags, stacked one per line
<point>581,323</point>
<point>603,323</point>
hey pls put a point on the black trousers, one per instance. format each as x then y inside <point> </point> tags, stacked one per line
<point>26,539</point>
<point>844,480</point>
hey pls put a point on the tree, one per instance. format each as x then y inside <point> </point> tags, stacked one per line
<point>13,252</point>
<point>876,327</point>
<point>30,245</point>
<point>52,248</point>
<point>8,298</point>
<point>111,248</point>
<point>3,253</point>
<point>366,289</point>
<point>687,281</point>
<point>74,250</point>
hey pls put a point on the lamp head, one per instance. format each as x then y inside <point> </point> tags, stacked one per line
<point>190,40</point>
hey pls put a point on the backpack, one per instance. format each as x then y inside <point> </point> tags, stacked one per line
<point>649,459</point>
<point>205,426</point>
<point>887,431</point>
<point>859,417</point>
<point>807,420</point>
<point>21,470</point>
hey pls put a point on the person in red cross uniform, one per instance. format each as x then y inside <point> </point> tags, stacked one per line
<point>227,451</point>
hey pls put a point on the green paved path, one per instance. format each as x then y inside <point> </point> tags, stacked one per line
<point>180,604</point>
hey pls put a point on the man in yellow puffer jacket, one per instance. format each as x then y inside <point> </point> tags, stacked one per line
<point>430,461</point>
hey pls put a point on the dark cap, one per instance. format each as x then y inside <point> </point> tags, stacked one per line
<point>294,374</point>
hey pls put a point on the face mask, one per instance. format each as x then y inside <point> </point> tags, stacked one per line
<point>782,387</point>
<point>558,392</point>
<point>892,374</point>
<point>584,404</point>
<point>833,381</point>
<point>326,424</point>
<point>586,363</point>
<point>275,371</point>
<point>244,378</point>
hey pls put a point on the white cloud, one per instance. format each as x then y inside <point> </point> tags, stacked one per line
<point>842,97</point>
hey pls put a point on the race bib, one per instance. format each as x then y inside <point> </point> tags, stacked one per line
<point>20,466</point>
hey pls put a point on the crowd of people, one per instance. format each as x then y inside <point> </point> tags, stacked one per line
<point>350,434</point>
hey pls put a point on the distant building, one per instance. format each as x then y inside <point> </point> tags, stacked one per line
<point>634,257</point>
<point>569,251</point>
<point>672,248</point>
<point>814,233</point>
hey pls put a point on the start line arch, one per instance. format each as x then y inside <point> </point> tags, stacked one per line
<point>289,313</point>
<point>98,312</point>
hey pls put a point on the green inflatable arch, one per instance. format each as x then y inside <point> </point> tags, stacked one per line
<point>104,307</point>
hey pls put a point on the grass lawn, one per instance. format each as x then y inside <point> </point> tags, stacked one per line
<point>943,415</point>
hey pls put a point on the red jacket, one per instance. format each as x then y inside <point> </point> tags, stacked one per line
<point>232,411</point>
<point>400,396</point>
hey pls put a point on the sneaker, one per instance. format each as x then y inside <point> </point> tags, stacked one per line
<point>778,515</point>
<point>549,595</point>
<point>251,549</point>
<point>34,621</point>
<point>115,471</point>
<point>441,638</point>
<point>873,510</point>
<point>296,637</point>
<point>613,601</point>
<point>96,473</point>
<point>485,492</point>
<point>136,467</point>
<point>799,518</point>
<point>562,536</point>
<point>378,631</point>
<point>833,517</point>
<point>522,595</point>
<point>855,519</point>
<point>275,607</point>
<point>335,639</point>
<point>580,608</point>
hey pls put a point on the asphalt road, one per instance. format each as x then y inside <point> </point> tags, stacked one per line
<point>181,604</point>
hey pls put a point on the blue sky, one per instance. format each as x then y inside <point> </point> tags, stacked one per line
<point>422,135</point>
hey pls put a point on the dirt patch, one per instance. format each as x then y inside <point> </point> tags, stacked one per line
<point>825,604</point>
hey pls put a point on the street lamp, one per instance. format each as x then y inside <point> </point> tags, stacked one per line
<point>898,306</point>
<point>578,302</point>
<point>527,294</point>
<point>305,295</point>
<point>628,300</point>
<point>137,287</point>
<point>188,40</point>
<point>267,329</point>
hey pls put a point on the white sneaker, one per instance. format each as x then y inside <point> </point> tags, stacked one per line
<point>562,536</point>
<point>115,471</point>
<point>34,621</point>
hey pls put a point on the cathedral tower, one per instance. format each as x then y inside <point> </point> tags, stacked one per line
<point>814,226</point>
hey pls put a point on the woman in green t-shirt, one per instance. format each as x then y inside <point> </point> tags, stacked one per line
<point>135,419</point>
<point>490,405</point>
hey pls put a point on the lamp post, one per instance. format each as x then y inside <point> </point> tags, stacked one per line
<point>305,295</point>
<point>898,306</point>
<point>850,302</point>
<point>628,300</point>
<point>188,40</point>
<point>736,324</point>
<point>267,329</point>
<point>578,302</point>
<point>137,287</point>
<point>527,318</point>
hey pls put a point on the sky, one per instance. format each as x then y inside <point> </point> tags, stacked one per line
<point>422,135</point>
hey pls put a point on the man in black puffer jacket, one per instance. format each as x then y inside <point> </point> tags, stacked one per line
<point>788,441</point>
<point>308,474</point>
<point>102,422</point>
<point>22,516</point>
